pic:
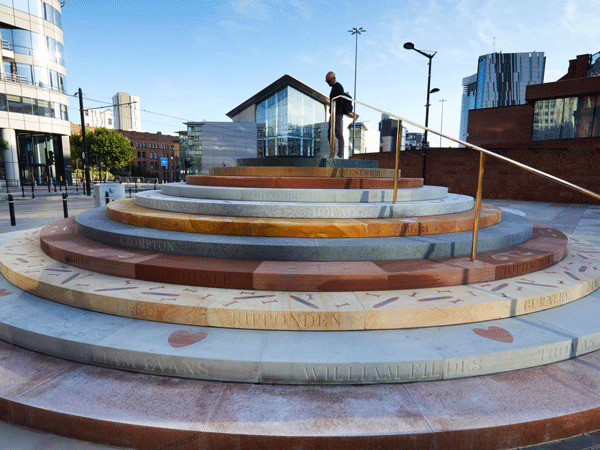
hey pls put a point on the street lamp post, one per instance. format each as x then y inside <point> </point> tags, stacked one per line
<point>410,46</point>
<point>355,31</point>
<point>442,120</point>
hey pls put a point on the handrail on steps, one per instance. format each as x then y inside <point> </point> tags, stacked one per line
<point>482,153</point>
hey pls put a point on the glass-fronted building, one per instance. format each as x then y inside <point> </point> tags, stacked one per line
<point>290,118</point>
<point>33,98</point>
<point>501,80</point>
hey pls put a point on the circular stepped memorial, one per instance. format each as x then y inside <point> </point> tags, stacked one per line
<point>151,286</point>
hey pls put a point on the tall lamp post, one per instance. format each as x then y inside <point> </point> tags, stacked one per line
<point>442,120</point>
<point>355,31</point>
<point>411,46</point>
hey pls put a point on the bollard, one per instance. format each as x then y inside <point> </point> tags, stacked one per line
<point>11,209</point>
<point>32,193</point>
<point>65,207</point>
<point>107,197</point>
<point>54,185</point>
<point>129,191</point>
<point>23,189</point>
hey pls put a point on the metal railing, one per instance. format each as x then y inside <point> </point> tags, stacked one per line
<point>482,153</point>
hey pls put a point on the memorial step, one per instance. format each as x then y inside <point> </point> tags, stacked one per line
<point>126,211</point>
<point>94,224</point>
<point>61,241</point>
<point>26,266</point>
<point>291,161</point>
<point>304,195</point>
<point>146,412</point>
<point>555,327</point>
<point>452,203</point>
<point>342,172</point>
<point>302,182</point>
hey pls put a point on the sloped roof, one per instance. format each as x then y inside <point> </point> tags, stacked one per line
<point>276,86</point>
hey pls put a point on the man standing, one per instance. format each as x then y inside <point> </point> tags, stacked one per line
<point>337,89</point>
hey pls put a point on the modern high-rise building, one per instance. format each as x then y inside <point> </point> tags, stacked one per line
<point>127,112</point>
<point>33,98</point>
<point>500,81</point>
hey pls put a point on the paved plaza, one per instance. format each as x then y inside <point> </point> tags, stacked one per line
<point>582,221</point>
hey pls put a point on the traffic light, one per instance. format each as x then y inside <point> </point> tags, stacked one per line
<point>50,158</point>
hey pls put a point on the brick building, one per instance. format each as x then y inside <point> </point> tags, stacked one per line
<point>152,151</point>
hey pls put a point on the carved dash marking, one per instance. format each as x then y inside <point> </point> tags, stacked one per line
<point>431,299</point>
<point>304,302</point>
<point>386,302</point>
<point>72,277</point>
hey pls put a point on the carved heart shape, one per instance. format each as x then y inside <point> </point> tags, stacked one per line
<point>183,338</point>
<point>495,333</point>
<point>4,292</point>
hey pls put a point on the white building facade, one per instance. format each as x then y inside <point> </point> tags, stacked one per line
<point>33,99</point>
<point>127,112</point>
<point>98,118</point>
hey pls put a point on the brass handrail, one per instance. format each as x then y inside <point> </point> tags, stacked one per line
<point>482,151</point>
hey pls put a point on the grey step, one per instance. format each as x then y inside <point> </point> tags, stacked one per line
<point>331,357</point>
<point>452,203</point>
<point>94,224</point>
<point>304,195</point>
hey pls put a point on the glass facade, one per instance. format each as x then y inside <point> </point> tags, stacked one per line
<point>566,118</point>
<point>289,124</point>
<point>36,8</point>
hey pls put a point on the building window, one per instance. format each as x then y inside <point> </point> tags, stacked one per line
<point>566,118</point>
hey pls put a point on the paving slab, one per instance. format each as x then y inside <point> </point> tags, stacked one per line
<point>303,182</point>
<point>61,242</point>
<point>94,224</point>
<point>452,203</point>
<point>126,211</point>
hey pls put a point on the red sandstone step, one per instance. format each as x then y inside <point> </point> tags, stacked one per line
<point>61,241</point>
<point>148,412</point>
<point>303,182</point>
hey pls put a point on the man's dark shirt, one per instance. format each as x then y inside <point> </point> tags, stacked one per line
<point>336,90</point>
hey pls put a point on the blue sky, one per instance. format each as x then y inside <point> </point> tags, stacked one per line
<point>197,60</point>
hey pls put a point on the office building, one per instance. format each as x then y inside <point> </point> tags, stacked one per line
<point>127,112</point>
<point>33,97</point>
<point>211,144</point>
<point>501,80</point>
<point>291,118</point>
<point>157,153</point>
<point>563,115</point>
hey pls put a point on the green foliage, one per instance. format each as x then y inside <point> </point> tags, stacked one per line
<point>113,149</point>
<point>3,147</point>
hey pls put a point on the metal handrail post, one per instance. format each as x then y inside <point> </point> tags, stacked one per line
<point>477,207</point>
<point>397,165</point>
<point>332,129</point>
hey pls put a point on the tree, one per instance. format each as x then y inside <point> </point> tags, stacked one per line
<point>3,148</point>
<point>113,149</point>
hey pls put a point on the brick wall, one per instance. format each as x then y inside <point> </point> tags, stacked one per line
<point>457,169</point>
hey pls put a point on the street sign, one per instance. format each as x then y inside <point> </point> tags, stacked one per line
<point>164,162</point>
